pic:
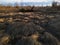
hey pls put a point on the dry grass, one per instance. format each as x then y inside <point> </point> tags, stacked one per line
<point>26,28</point>
<point>4,40</point>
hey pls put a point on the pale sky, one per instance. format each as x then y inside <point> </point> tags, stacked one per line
<point>28,0</point>
<point>25,0</point>
<point>57,0</point>
<point>13,1</point>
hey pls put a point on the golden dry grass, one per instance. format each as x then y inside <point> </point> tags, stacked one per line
<point>5,39</point>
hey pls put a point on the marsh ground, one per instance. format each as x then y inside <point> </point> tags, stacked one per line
<point>29,28</point>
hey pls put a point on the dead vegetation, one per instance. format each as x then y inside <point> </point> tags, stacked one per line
<point>28,28</point>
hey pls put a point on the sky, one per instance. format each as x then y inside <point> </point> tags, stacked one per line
<point>28,0</point>
<point>57,0</point>
<point>13,1</point>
